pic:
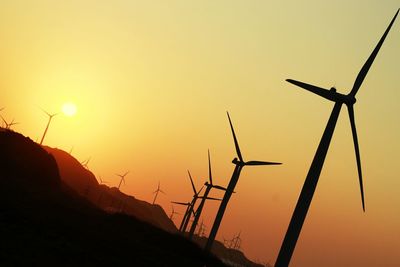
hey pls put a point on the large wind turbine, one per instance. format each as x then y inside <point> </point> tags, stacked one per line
<point>311,181</point>
<point>156,192</point>
<point>209,186</point>
<point>239,164</point>
<point>122,178</point>
<point>48,123</point>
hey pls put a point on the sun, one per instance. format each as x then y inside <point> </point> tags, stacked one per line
<point>69,109</point>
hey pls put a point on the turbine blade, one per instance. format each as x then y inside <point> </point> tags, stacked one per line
<point>201,189</point>
<point>4,120</point>
<point>209,168</point>
<point>235,139</point>
<point>219,187</point>
<point>213,198</point>
<point>180,203</point>
<point>364,70</point>
<point>48,114</point>
<point>314,89</point>
<point>162,192</point>
<point>357,150</point>
<point>254,162</point>
<point>191,181</point>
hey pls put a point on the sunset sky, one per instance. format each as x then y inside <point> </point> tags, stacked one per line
<point>152,81</point>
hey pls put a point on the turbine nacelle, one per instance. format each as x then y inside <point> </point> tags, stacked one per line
<point>330,94</point>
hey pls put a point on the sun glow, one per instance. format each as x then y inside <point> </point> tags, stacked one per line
<point>69,109</point>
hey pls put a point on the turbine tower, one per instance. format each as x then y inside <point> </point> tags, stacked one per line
<point>156,192</point>
<point>239,164</point>
<point>48,124</point>
<point>307,192</point>
<point>209,185</point>
<point>122,178</point>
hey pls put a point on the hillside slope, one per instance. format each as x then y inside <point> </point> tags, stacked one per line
<point>44,222</point>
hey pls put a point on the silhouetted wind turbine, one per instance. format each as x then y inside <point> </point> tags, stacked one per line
<point>307,192</point>
<point>239,164</point>
<point>122,178</point>
<point>191,207</point>
<point>209,186</point>
<point>48,124</point>
<point>85,163</point>
<point>8,124</point>
<point>201,231</point>
<point>173,212</point>
<point>187,204</point>
<point>102,181</point>
<point>156,192</point>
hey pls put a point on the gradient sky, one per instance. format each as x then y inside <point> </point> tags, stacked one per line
<point>153,79</point>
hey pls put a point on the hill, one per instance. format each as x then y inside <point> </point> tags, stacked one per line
<point>45,222</point>
<point>109,199</point>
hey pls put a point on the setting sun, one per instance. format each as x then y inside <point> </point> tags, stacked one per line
<point>69,109</point>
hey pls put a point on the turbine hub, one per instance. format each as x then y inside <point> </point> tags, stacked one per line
<point>350,100</point>
<point>237,162</point>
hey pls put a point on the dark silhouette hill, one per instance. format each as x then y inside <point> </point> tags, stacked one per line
<point>43,222</point>
<point>230,256</point>
<point>107,198</point>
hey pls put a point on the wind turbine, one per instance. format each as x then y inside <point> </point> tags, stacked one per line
<point>191,207</point>
<point>8,124</point>
<point>85,163</point>
<point>202,229</point>
<point>187,204</point>
<point>307,192</point>
<point>122,178</point>
<point>237,241</point>
<point>173,212</point>
<point>102,181</point>
<point>239,164</point>
<point>209,186</point>
<point>48,124</point>
<point>156,192</point>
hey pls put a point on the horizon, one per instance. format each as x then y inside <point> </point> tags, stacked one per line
<point>152,84</point>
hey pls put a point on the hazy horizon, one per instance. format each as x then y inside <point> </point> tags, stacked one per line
<point>153,81</point>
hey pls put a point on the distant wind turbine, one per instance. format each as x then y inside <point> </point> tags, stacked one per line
<point>209,185</point>
<point>173,212</point>
<point>239,164</point>
<point>122,178</point>
<point>85,163</point>
<point>310,184</point>
<point>187,204</point>
<point>156,192</point>
<point>102,181</point>
<point>8,124</point>
<point>48,124</point>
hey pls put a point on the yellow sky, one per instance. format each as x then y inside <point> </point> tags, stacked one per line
<point>152,81</point>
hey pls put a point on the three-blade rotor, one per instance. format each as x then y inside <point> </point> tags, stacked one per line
<point>349,99</point>
<point>239,154</point>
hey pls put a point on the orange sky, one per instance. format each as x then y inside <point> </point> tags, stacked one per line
<point>152,82</point>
